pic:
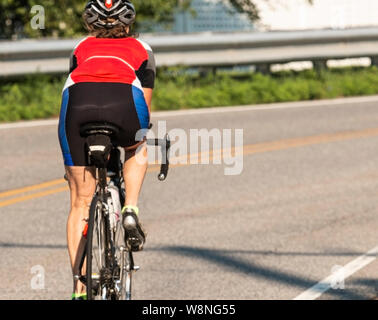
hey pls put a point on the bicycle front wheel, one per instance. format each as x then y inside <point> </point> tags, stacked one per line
<point>96,252</point>
<point>126,265</point>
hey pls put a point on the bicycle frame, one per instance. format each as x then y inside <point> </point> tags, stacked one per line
<point>110,260</point>
<point>126,264</point>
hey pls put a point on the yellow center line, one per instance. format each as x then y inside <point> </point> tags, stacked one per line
<point>31,188</point>
<point>273,146</point>
<point>311,140</point>
<point>32,196</point>
<point>187,159</point>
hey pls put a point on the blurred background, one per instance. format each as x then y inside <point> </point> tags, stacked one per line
<point>306,201</point>
<point>290,50</point>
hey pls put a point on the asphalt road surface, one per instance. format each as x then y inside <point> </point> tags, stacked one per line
<point>304,206</point>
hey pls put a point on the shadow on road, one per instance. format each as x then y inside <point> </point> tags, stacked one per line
<point>224,258</point>
<point>227,260</point>
<point>31,246</point>
<point>283,253</point>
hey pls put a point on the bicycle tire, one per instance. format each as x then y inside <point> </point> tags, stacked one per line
<point>93,273</point>
<point>122,256</point>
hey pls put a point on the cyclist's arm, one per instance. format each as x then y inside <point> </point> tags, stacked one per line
<point>148,97</point>
<point>73,62</point>
<point>75,55</point>
<point>147,74</point>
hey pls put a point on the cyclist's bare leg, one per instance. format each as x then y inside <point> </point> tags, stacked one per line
<point>82,185</point>
<point>134,171</point>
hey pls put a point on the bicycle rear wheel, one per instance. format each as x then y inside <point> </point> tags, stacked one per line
<point>96,252</point>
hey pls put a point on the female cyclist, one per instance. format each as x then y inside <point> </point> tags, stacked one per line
<point>111,79</point>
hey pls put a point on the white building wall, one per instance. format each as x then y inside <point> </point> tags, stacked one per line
<point>300,15</point>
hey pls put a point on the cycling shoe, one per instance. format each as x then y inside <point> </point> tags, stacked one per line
<point>134,234</point>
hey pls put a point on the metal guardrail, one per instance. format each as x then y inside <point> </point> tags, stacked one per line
<point>205,49</point>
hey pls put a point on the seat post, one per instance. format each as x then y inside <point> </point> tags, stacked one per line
<point>102,181</point>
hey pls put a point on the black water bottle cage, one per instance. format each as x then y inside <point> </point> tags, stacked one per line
<point>98,147</point>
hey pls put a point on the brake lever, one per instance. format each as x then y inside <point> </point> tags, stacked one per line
<point>165,145</point>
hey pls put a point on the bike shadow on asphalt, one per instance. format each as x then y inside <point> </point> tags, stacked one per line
<point>224,259</point>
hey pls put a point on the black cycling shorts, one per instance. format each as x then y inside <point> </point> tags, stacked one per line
<point>122,105</point>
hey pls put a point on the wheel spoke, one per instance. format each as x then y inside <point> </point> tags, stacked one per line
<point>97,256</point>
<point>108,261</point>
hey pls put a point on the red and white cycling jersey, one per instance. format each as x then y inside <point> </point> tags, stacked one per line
<point>123,60</point>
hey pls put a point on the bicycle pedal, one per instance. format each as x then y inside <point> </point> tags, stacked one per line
<point>136,268</point>
<point>134,244</point>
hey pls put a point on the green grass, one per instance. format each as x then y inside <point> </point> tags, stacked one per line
<point>39,96</point>
<point>34,97</point>
<point>255,88</point>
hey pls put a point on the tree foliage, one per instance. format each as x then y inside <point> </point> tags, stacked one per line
<point>63,17</point>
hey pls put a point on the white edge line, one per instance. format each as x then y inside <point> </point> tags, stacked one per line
<point>29,124</point>
<point>349,269</point>
<point>270,106</point>
<point>246,108</point>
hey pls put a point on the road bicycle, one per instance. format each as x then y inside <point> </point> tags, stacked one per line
<point>107,265</point>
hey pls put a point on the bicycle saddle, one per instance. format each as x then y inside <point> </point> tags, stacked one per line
<point>94,128</point>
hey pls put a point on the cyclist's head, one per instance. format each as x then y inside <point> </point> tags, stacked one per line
<point>109,18</point>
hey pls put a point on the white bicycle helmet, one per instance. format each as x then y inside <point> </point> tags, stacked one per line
<point>99,11</point>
